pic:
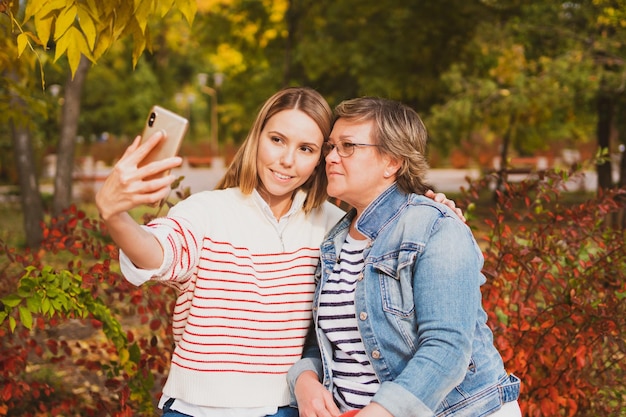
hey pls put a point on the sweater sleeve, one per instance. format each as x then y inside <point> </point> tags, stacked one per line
<point>181,242</point>
<point>138,276</point>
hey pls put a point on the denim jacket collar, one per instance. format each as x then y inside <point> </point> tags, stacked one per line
<point>381,211</point>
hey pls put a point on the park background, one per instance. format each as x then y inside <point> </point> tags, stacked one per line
<point>524,98</point>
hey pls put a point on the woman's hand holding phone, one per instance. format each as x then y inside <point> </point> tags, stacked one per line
<point>132,183</point>
<point>142,175</point>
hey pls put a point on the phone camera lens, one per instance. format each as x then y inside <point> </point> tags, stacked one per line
<point>152,119</point>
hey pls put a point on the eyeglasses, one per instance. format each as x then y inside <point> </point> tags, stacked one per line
<point>344,148</point>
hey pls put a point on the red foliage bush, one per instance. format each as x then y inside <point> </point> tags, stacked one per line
<point>44,368</point>
<point>555,293</point>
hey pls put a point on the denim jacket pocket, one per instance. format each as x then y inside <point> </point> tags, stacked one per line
<point>395,276</point>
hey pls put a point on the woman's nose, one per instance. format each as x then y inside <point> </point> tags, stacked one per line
<point>333,156</point>
<point>287,157</point>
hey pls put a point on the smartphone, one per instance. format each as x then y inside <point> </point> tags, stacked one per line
<point>175,128</point>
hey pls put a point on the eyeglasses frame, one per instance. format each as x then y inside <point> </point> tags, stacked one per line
<point>333,146</point>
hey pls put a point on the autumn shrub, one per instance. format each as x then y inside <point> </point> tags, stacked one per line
<point>555,293</point>
<point>46,369</point>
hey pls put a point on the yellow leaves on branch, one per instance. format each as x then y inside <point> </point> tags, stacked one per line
<point>72,44</point>
<point>90,27</point>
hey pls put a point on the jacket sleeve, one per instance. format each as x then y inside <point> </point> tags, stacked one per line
<point>310,361</point>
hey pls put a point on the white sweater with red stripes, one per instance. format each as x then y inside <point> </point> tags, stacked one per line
<point>245,290</point>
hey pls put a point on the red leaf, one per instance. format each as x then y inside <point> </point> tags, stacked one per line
<point>155,324</point>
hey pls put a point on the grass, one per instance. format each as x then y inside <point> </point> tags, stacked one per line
<point>11,224</point>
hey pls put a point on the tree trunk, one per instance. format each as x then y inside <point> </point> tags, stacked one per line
<point>622,170</point>
<point>504,155</point>
<point>292,18</point>
<point>621,220</point>
<point>69,127</point>
<point>30,197</point>
<point>620,123</point>
<point>605,119</point>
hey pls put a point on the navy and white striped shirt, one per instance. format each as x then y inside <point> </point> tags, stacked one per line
<point>355,382</point>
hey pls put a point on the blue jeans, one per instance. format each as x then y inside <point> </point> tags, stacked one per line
<point>285,412</point>
<point>282,411</point>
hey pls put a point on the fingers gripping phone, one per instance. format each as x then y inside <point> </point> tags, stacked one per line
<point>173,125</point>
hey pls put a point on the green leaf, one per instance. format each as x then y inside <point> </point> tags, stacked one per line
<point>23,292</point>
<point>46,306</point>
<point>53,292</point>
<point>11,300</point>
<point>135,353</point>
<point>26,317</point>
<point>57,304</point>
<point>33,303</point>
<point>27,284</point>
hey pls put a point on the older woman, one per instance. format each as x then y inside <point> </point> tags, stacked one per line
<point>397,312</point>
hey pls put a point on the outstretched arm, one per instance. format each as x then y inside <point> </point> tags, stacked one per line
<point>125,188</point>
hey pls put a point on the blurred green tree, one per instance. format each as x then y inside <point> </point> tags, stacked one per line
<point>82,32</point>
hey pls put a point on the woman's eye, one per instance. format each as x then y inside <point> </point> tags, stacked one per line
<point>306,148</point>
<point>276,139</point>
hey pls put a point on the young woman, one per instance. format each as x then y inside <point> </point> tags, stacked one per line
<point>242,258</point>
<point>397,311</point>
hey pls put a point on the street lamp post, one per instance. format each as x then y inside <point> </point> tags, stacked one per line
<point>218,78</point>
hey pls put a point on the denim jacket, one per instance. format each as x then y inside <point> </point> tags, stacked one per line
<point>419,312</point>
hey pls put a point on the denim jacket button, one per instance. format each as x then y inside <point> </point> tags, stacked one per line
<point>360,277</point>
<point>363,315</point>
<point>376,354</point>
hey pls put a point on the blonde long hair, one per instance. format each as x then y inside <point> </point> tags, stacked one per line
<point>242,172</point>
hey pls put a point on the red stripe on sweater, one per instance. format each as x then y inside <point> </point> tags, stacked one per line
<point>223,370</point>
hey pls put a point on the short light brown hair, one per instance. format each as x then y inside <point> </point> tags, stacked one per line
<point>399,132</point>
<point>242,172</point>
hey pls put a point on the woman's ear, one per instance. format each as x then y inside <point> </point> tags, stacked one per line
<point>393,166</point>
